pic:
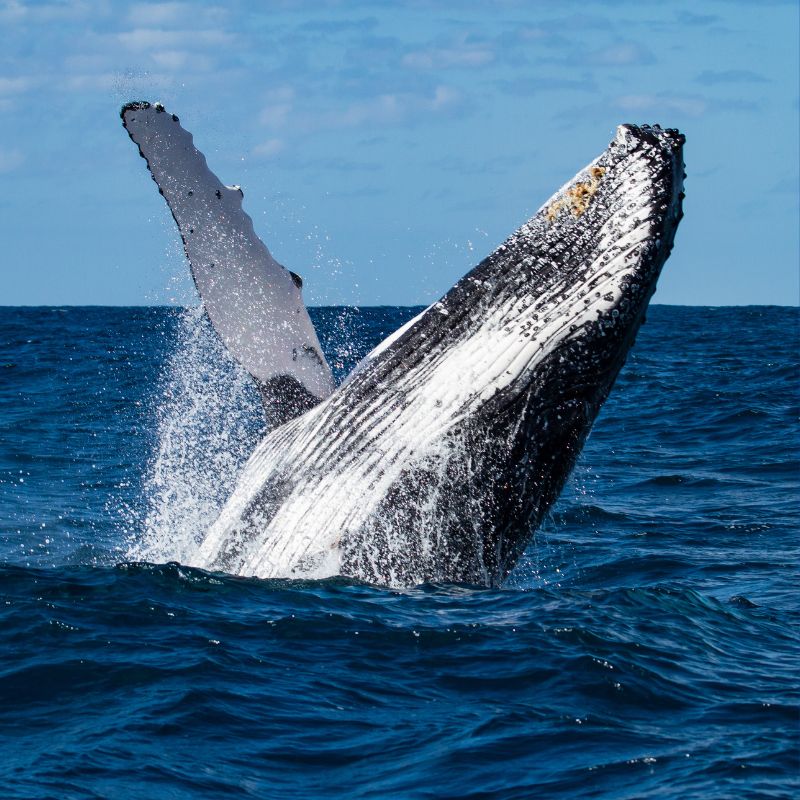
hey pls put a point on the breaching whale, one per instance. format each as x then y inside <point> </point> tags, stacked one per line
<point>439,455</point>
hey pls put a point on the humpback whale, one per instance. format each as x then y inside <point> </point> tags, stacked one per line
<point>439,455</point>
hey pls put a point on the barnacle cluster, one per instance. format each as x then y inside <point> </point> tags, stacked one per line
<point>577,197</point>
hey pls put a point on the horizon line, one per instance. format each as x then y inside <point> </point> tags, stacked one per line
<point>368,305</point>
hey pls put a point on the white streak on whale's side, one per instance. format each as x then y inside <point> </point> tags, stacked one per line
<point>441,453</point>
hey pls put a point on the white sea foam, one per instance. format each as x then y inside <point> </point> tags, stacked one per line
<point>208,420</point>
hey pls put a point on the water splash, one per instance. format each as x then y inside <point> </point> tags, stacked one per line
<point>208,420</point>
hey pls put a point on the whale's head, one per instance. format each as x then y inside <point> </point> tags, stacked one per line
<point>511,366</point>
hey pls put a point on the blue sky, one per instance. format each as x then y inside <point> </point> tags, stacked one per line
<point>385,148</point>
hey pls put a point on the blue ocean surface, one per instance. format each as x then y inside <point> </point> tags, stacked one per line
<point>646,646</point>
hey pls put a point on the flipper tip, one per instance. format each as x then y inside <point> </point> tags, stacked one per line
<point>134,105</point>
<point>143,105</point>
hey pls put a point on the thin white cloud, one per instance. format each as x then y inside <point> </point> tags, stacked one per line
<point>11,86</point>
<point>532,33</point>
<point>180,52</point>
<point>280,104</point>
<point>91,81</point>
<point>85,62</point>
<point>621,54</point>
<point>448,57</point>
<point>15,11</point>
<point>148,39</point>
<point>149,15</point>
<point>175,60</point>
<point>269,148</point>
<point>391,109</point>
<point>155,15</point>
<point>692,106</point>
<point>288,111</point>
<point>712,77</point>
<point>10,159</point>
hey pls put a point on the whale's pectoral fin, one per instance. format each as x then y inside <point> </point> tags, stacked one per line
<point>254,303</point>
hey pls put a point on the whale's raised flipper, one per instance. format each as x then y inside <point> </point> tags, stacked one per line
<point>254,303</point>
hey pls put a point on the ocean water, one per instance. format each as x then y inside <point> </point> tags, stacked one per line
<point>646,646</point>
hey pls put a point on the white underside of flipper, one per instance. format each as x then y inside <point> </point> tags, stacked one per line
<point>254,303</point>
